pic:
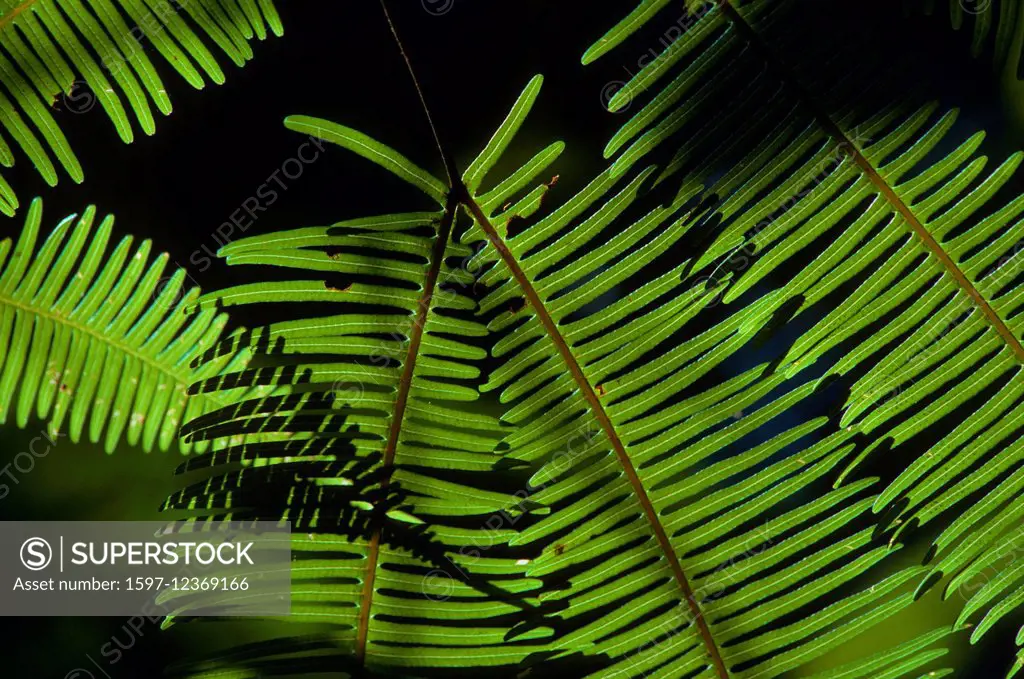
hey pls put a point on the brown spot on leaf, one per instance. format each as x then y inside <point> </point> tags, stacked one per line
<point>328,286</point>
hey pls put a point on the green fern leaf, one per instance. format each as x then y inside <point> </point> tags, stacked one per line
<point>859,202</point>
<point>76,53</point>
<point>368,445</point>
<point>671,551</point>
<point>633,561</point>
<point>99,344</point>
<point>682,519</point>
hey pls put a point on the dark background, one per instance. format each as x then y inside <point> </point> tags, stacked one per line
<point>337,60</point>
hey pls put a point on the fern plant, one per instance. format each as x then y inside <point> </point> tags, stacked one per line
<point>97,342</point>
<point>89,51</point>
<point>453,596</point>
<point>670,529</point>
<point>367,431</point>
<point>657,492</point>
<point>922,247</point>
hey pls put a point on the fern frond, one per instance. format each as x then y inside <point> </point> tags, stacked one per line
<point>380,460</point>
<point>99,343</point>
<point>897,250</point>
<point>75,53</point>
<point>660,555</point>
<point>675,531</point>
<point>684,516</point>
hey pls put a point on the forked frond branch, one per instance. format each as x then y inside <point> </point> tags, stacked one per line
<point>460,195</point>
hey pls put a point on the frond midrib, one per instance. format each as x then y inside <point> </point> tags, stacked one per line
<point>397,419</point>
<point>182,377</point>
<point>7,20</point>
<point>597,408</point>
<point>886,190</point>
